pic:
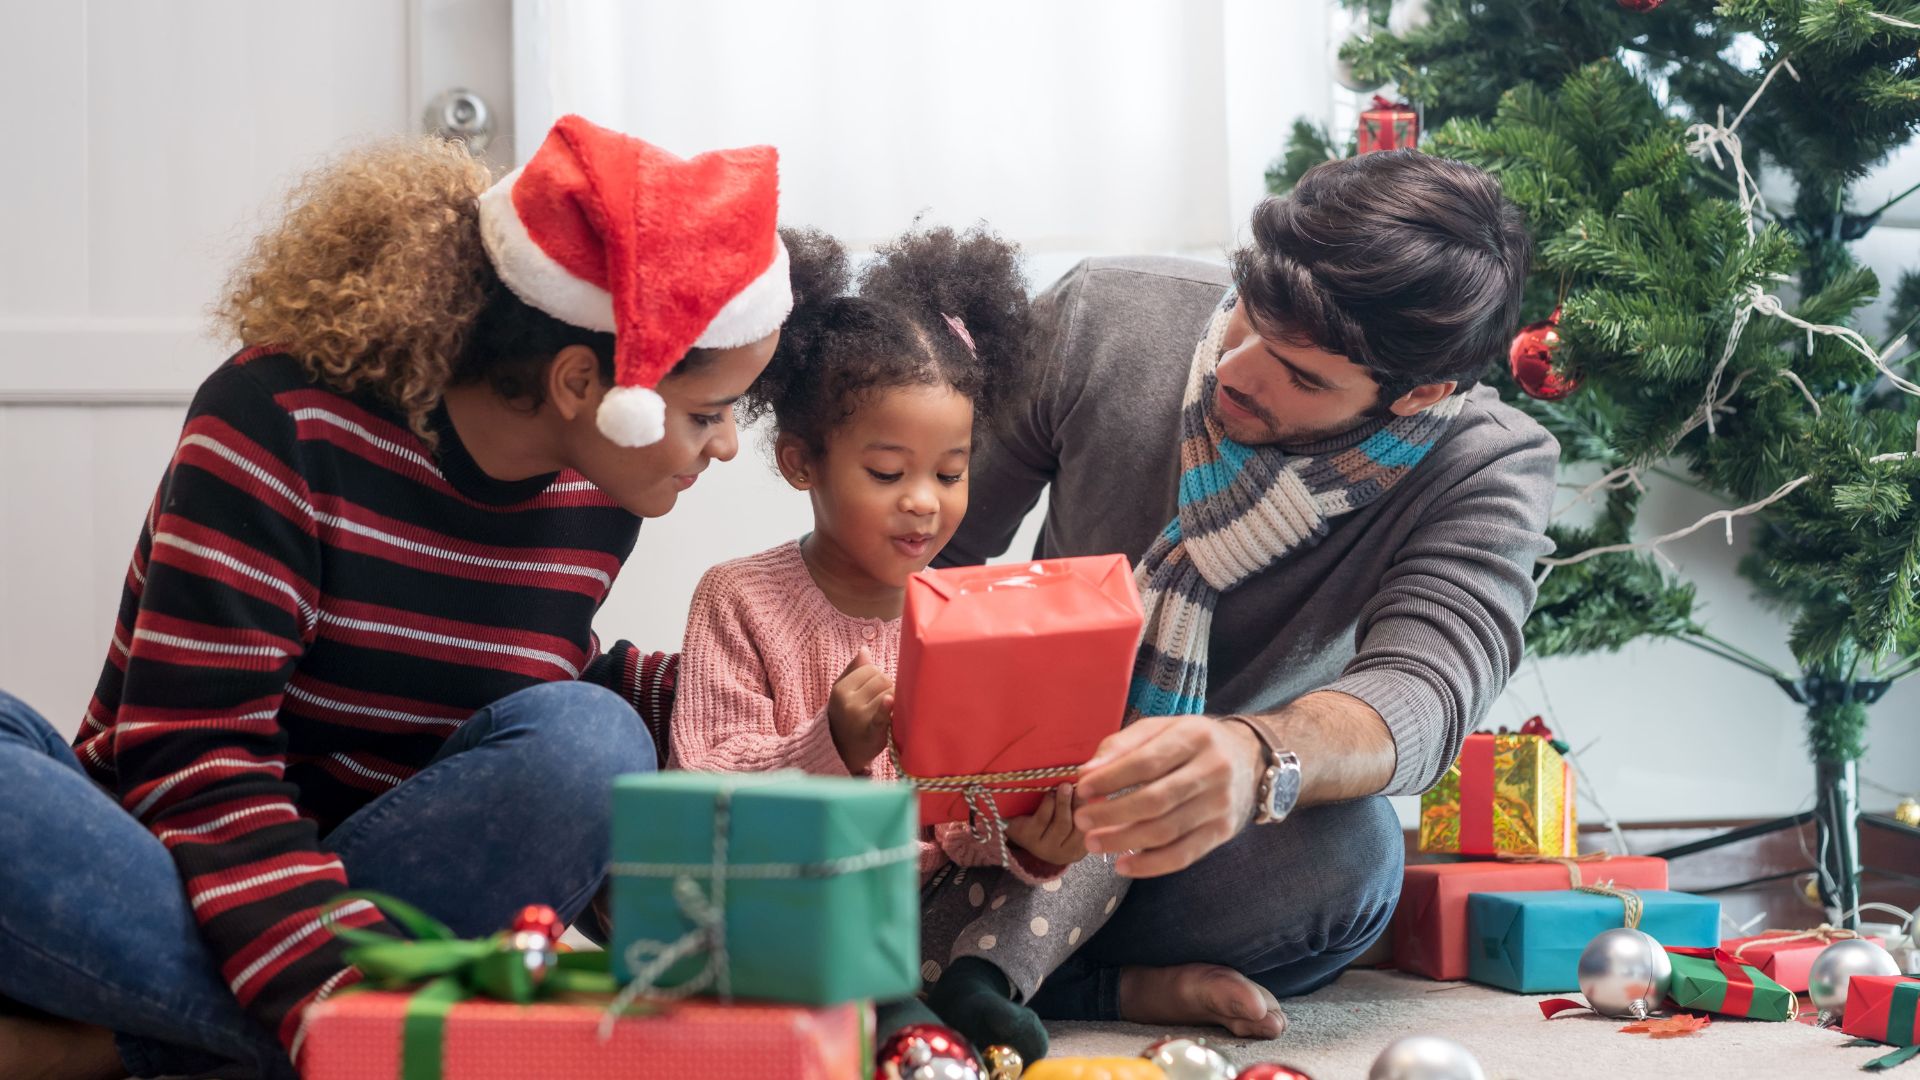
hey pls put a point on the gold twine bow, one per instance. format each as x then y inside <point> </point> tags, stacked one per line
<point>984,820</point>
<point>1635,906</point>
<point>1571,862</point>
<point>1824,934</point>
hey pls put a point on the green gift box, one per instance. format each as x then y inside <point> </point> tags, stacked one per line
<point>1706,982</point>
<point>769,886</point>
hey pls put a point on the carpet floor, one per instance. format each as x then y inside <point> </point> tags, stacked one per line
<point>1335,1033</point>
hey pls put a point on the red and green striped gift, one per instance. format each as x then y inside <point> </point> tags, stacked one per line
<point>1885,1009</point>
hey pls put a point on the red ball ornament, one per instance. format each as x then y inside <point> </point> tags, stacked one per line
<point>1267,1070</point>
<point>541,919</point>
<point>926,1052</point>
<point>1641,5</point>
<point>1530,358</point>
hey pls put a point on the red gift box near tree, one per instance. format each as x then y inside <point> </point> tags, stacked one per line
<point>1430,923</point>
<point>1010,669</point>
<point>1388,126</point>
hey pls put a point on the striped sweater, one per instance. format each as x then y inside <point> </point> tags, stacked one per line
<point>317,600</point>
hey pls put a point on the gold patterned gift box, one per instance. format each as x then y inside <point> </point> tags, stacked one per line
<point>1510,793</point>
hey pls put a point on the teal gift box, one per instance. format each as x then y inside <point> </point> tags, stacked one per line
<point>1531,941</point>
<point>821,898</point>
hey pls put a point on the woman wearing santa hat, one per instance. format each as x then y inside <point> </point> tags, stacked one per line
<point>354,647</point>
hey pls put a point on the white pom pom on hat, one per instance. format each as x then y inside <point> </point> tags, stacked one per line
<point>632,416</point>
<point>610,233</point>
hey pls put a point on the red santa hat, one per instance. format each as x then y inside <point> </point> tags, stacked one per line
<point>610,233</point>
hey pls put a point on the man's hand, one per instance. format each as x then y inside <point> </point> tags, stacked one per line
<point>1049,834</point>
<point>1192,782</point>
<point>859,712</point>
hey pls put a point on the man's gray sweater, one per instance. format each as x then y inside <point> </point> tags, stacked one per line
<point>1412,604</point>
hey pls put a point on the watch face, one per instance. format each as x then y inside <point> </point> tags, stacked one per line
<point>1285,792</point>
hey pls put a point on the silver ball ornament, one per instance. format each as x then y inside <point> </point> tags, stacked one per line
<point>1425,1057</point>
<point>1343,72</point>
<point>1189,1059</point>
<point>1406,16</point>
<point>1624,973</point>
<point>1837,964</point>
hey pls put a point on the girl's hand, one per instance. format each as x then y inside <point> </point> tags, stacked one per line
<point>859,712</point>
<point>1049,833</point>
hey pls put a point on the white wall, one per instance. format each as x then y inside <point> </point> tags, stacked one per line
<point>159,132</point>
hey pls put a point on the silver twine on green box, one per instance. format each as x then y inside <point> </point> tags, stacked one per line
<point>649,960</point>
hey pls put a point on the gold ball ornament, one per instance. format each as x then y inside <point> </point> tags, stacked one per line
<point>1908,812</point>
<point>1004,1063</point>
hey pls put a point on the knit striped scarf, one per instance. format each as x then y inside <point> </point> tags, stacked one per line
<point>1242,509</point>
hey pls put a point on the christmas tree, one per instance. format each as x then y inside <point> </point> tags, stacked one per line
<point>1710,338</point>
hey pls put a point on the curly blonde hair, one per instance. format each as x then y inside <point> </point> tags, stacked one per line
<point>375,275</point>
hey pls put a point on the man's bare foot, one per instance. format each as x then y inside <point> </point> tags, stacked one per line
<point>1192,994</point>
<point>39,1049</point>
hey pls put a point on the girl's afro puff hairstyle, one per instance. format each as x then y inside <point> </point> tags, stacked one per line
<point>849,337</point>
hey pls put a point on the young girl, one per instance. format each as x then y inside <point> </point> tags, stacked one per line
<point>790,654</point>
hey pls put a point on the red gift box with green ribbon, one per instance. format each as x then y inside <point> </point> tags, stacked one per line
<point>1388,125</point>
<point>442,1008</point>
<point>1885,1009</point>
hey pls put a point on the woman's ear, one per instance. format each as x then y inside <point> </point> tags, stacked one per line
<point>573,383</point>
<point>796,464</point>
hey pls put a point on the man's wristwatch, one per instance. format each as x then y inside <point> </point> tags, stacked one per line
<point>1279,789</point>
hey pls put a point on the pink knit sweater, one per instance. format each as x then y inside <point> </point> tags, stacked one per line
<point>764,647</point>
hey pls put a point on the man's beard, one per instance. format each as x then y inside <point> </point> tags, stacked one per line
<point>1275,433</point>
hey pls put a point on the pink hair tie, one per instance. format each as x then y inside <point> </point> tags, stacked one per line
<point>960,331</point>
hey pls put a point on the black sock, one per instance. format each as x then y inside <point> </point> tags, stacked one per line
<point>974,998</point>
<point>891,1016</point>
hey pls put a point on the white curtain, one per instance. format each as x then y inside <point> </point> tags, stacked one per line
<point>1073,126</point>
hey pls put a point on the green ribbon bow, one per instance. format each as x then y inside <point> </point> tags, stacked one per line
<point>452,970</point>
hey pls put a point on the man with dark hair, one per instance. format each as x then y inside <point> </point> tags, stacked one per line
<point>1335,533</point>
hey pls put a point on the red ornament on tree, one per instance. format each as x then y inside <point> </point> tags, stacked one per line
<point>1388,126</point>
<point>926,1052</point>
<point>1530,358</point>
<point>1270,1071</point>
<point>541,919</point>
<point>1641,5</point>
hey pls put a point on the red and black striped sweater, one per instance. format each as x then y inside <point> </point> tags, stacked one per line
<point>316,602</point>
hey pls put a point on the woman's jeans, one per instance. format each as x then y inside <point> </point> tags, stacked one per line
<point>515,809</point>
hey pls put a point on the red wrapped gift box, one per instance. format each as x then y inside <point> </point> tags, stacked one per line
<point>1011,668</point>
<point>1786,956</point>
<point>357,1037</point>
<point>1389,125</point>
<point>1884,1008</point>
<point>1430,925</point>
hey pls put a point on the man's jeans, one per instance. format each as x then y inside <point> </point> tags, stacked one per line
<point>94,925</point>
<point>1288,905</point>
